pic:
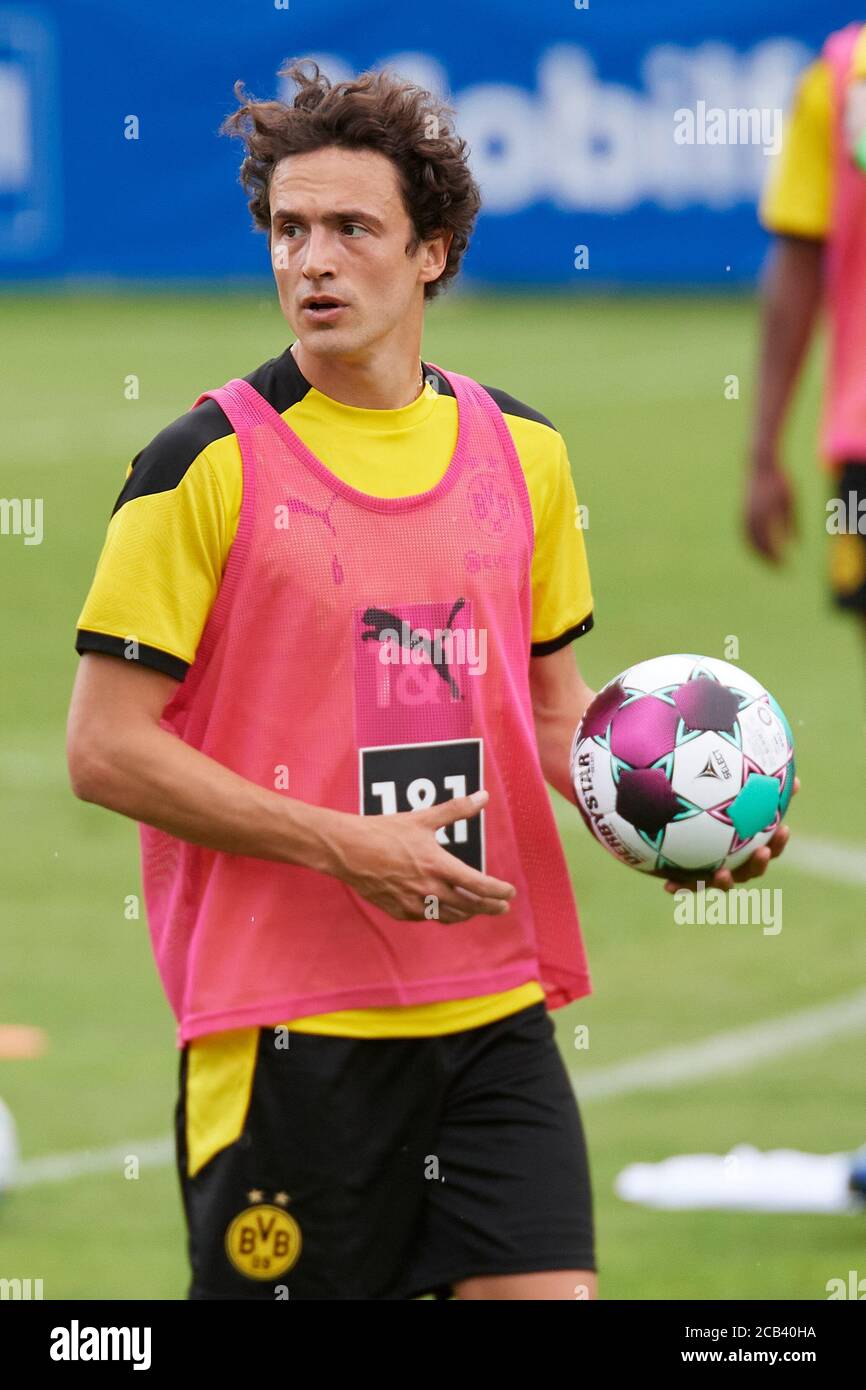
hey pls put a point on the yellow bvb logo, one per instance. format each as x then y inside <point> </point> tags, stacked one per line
<point>263,1242</point>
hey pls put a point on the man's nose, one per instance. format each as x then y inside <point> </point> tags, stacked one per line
<point>319,255</point>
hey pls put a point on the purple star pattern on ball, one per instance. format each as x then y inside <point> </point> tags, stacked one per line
<point>683,760</point>
<point>644,731</point>
<point>706,704</point>
<point>646,799</point>
<point>601,711</point>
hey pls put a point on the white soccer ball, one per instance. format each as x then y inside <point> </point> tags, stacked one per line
<point>683,765</point>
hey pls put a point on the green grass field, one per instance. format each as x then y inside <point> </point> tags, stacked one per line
<point>637,388</point>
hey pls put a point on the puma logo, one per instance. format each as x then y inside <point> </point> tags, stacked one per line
<point>297,504</point>
<point>385,626</point>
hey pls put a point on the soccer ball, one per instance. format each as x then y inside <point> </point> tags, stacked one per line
<point>683,765</point>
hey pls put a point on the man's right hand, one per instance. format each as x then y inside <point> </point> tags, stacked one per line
<point>397,864</point>
<point>121,757</point>
<point>770,515</point>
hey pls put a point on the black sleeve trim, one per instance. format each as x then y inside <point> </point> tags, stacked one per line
<point>510,405</point>
<point>162,464</point>
<point>116,646</point>
<point>817,238</point>
<point>555,643</point>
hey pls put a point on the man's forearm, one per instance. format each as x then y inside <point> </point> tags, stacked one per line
<point>554,731</point>
<point>789,304</point>
<point>154,777</point>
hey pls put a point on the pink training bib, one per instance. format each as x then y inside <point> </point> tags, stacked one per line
<point>371,655</point>
<point>843,431</point>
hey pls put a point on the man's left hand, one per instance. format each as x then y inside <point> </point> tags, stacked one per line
<point>754,867</point>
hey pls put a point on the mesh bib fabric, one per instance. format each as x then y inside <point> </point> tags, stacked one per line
<point>843,433</point>
<point>370,655</point>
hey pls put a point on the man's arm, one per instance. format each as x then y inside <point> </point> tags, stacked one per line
<point>796,207</point>
<point>120,758</point>
<point>790,300</point>
<point>560,696</point>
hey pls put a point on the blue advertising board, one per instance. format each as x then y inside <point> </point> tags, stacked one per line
<point>615,142</point>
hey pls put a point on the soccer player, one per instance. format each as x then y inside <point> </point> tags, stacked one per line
<point>815,203</point>
<point>327,665</point>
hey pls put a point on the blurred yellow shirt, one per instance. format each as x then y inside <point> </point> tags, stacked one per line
<point>798,197</point>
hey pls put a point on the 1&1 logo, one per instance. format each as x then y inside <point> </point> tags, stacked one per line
<point>263,1242</point>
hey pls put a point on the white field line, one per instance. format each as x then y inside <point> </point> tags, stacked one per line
<point>819,858</point>
<point>735,1051</point>
<point>78,1163</point>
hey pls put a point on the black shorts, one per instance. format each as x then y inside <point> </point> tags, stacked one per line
<point>392,1167</point>
<point>848,548</point>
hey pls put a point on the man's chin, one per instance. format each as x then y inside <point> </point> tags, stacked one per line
<point>326,340</point>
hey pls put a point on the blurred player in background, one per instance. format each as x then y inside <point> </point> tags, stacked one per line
<point>815,203</point>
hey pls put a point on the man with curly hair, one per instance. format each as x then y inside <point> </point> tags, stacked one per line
<point>352,580</point>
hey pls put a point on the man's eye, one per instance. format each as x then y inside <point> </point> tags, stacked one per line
<point>356,225</point>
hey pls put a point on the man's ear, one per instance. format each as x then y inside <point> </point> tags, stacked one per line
<point>444,239</point>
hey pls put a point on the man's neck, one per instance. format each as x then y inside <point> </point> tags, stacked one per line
<point>372,386</point>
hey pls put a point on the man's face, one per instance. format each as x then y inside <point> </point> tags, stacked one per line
<point>339,230</point>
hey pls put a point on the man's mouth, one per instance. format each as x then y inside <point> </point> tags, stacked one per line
<point>322,309</point>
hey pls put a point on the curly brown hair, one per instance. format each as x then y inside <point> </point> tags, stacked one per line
<point>375,111</point>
